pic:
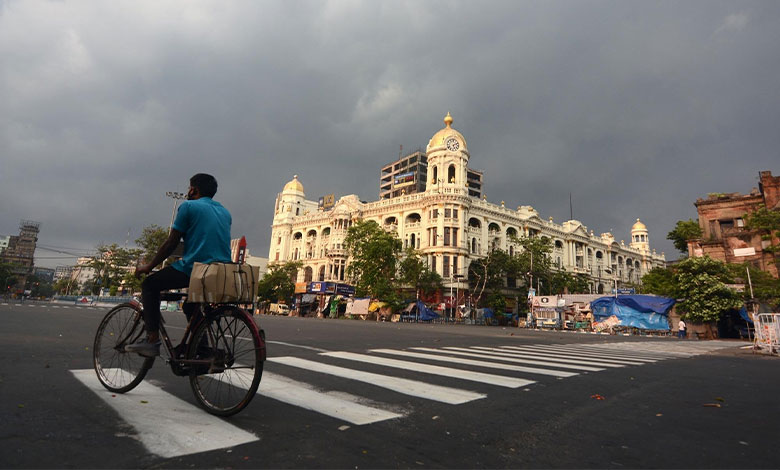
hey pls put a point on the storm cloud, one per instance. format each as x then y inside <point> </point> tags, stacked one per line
<point>635,108</point>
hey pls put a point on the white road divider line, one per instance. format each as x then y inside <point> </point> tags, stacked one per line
<point>586,353</point>
<point>498,356</point>
<point>306,396</point>
<point>490,365</point>
<point>565,357</point>
<point>500,380</point>
<point>452,396</point>
<point>167,426</point>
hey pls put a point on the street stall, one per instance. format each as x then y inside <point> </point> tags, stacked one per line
<point>627,312</point>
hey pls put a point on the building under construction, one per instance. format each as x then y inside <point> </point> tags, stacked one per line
<point>21,248</point>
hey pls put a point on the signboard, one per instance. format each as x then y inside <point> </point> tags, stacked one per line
<point>327,201</point>
<point>744,251</point>
<point>531,293</point>
<point>404,179</point>
<point>622,291</point>
<point>328,288</point>
<point>300,287</point>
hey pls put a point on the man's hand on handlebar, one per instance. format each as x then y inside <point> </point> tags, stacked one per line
<point>143,269</point>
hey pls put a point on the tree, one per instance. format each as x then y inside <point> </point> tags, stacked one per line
<point>767,223</point>
<point>110,265</point>
<point>414,271</point>
<point>152,237</point>
<point>659,281</point>
<point>278,284</point>
<point>683,231</point>
<point>488,273</point>
<point>374,254</point>
<point>766,289</point>
<point>534,260</point>
<point>701,284</point>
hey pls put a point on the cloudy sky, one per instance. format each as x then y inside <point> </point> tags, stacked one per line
<point>635,107</point>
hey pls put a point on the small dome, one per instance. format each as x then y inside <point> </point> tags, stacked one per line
<point>639,226</point>
<point>440,138</point>
<point>294,185</point>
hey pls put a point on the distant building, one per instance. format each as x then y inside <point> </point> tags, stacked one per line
<point>4,243</point>
<point>722,220</point>
<point>82,272</point>
<point>46,274</point>
<point>409,175</point>
<point>62,272</point>
<point>20,250</point>
<point>450,225</point>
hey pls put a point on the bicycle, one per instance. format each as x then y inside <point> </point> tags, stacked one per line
<point>222,352</point>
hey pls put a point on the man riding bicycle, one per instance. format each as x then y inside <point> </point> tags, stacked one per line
<point>204,225</point>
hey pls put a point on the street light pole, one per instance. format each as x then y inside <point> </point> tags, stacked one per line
<point>176,198</point>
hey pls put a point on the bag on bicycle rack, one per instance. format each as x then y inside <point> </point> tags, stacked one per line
<point>223,282</point>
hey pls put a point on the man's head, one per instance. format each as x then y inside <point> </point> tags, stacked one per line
<point>202,185</point>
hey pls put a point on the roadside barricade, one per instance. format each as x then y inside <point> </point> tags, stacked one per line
<point>767,333</point>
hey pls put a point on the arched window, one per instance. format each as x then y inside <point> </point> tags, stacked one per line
<point>412,240</point>
<point>599,255</point>
<point>474,222</point>
<point>307,274</point>
<point>473,245</point>
<point>451,174</point>
<point>435,174</point>
<point>558,244</point>
<point>511,252</point>
<point>322,274</point>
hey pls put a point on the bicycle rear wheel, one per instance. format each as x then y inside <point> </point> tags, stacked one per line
<point>228,339</point>
<point>117,370</point>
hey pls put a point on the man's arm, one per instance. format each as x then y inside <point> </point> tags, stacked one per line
<point>164,252</point>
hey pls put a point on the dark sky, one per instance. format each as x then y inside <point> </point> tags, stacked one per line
<point>635,107</point>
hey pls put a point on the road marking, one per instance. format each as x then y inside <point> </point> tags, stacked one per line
<point>166,425</point>
<point>581,352</point>
<point>636,351</point>
<point>306,396</point>
<point>452,396</point>
<point>500,380</point>
<point>565,357</point>
<point>470,362</point>
<point>298,346</point>
<point>561,364</point>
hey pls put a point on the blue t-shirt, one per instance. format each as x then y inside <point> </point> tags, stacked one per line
<point>206,228</point>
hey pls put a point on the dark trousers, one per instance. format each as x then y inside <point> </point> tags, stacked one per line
<point>164,279</point>
<point>681,334</point>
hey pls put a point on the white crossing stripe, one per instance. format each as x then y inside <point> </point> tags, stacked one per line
<point>509,357</point>
<point>566,356</point>
<point>470,362</point>
<point>452,396</point>
<point>637,349</point>
<point>491,379</point>
<point>167,426</point>
<point>581,352</point>
<point>305,396</point>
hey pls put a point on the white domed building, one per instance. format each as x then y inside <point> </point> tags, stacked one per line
<point>450,227</point>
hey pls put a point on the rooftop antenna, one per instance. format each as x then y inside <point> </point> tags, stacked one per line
<point>571,208</point>
<point>401,151</point>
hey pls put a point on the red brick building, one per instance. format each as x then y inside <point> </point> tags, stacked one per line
<point>721,218</point>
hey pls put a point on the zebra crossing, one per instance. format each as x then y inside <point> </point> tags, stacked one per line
<point>469,374</point>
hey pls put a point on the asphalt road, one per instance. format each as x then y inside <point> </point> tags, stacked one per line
<point>652,402</point>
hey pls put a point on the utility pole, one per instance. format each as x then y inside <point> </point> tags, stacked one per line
<point>176,198</point>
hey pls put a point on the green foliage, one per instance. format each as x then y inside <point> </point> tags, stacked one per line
<point>7,279</point>
<point>766,289</point>
<point>659,281</point>
<point>488,273</point>
<point>683,231</point>
<point>374,254</point>
<point>278,284</point>
<point>701,286</point>
<point>111,264</point>
<point>151,239</point>
<point>534,259</point>
<point>413,271</point>
<point>767,222</point>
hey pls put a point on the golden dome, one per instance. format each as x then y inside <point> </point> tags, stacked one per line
<point>639,226</point>
<point>294,185</point>
<point>440,138</point>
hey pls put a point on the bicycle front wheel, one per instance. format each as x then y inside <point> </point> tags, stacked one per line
<point>229,344</point>
<point>117,370</point>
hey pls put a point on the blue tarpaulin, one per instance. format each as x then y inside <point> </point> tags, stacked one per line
<point>743,313</point>
<point>424,313</point>
<point>646,312</point>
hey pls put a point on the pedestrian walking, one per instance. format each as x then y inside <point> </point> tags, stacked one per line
<point>681,329</point>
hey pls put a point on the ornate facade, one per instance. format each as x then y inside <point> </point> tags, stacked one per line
<point>449,226</point>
